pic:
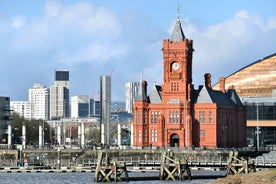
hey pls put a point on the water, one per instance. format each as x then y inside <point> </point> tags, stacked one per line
<point>68,178</point>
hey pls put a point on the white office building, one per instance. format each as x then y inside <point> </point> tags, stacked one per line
<point>80,106</point>
<point>39,101</point>
<point>59,95</point>
<point>131,93</point>
<point>22,108</point>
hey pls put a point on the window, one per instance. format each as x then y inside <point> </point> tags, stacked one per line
<point>145,117</point>
<point>145,135</point>
<point>153,135</point>
<point>139,136</point>
<point>154,116</point>
<point>139,117</point>
<point>210,117</point>
<point>174,117</point>
<point>174,86</point>
<point>202,117</point>
<point>202,133</point>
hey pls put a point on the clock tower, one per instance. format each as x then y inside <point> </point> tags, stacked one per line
<point>177,87</point>
<point>177,58</point>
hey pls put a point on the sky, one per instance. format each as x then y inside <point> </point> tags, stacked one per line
<point>91,38</point>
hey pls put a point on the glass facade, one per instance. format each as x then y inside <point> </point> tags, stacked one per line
<point>62,75</point>
<point>261,109</point>
<point>4,118</point>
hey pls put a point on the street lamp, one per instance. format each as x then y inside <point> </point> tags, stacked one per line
<point>20,157</point>
<point>58,161</point>
<point>258,139</point>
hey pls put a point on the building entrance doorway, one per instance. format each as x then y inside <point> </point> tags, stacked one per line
<point>174,140</point>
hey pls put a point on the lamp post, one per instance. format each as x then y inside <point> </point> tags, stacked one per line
<point>58,161</point>
<point>20,156</point>
<point>257,132</point>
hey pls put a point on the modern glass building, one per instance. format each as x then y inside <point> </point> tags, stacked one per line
<point>4,119</point>
<point>256,86</point>
<point>83,106</point>
<point>261,116</point>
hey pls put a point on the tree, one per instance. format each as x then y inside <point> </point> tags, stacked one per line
<point>32,130</point>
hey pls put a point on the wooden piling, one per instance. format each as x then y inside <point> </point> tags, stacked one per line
<point>237,165</point>
<point>172,168</point>
<point>108,171</point>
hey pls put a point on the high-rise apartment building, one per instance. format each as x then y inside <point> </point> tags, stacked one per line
<point>22,108</point>
<point>131,93</point>
<point>39,101</point>
<point>59,95</point>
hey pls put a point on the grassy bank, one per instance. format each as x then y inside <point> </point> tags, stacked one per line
<point>261,177</point>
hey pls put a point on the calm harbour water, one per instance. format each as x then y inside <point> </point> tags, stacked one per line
<point>68,178</point>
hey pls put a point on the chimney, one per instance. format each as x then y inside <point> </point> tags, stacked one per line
<point>207,77</point>
<point>231,87</point>
<point>222,84</point>
<point>145,85</point>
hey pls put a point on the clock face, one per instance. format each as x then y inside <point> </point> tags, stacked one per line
<point>175,66</point>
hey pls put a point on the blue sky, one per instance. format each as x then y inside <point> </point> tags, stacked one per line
<point>94,37</point>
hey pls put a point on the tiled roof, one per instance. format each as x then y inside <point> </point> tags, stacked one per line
<point>155,96</point>
<point>141,96</point>
<point>208,95</point>
<point>234,97</point>
<point>177,34</point>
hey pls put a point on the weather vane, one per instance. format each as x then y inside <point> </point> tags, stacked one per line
<point>178,10</point>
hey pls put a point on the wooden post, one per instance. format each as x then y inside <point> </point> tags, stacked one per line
<point>173,168</point>
<point>107,171</point>
<point>237,165</point>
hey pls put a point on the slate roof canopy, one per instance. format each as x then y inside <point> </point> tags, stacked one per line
<point>208,95</point>
<point>177,34</point>
<point>142,92</point>
<point>155,96</point>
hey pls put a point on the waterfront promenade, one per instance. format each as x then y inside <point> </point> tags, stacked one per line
<point>146,159</point>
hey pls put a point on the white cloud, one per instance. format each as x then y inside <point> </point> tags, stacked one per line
<point>92,40</point>
<point>272,23</point>
<point>223,48</point>
<point>96,53</point>
<point>18,21</point>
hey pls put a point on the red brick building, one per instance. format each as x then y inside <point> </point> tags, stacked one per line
<point>177,115</point>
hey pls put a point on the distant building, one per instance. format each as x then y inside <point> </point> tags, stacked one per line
<point>83,106</point>
<point>80,106</point>
<point>59,95</point>
<point>95,108</point>
<point>4,119</point>
<point>177,115</point>
<point>22,108</point>
<point>131,91</point>
<point>105,93</point>
<point>39,101</point>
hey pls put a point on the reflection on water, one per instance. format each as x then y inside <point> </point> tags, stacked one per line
<point>68,178</point>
